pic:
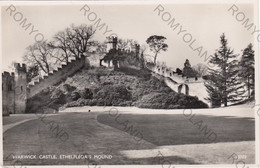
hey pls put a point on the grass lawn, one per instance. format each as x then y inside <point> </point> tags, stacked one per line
<point>178,129</point>
<point>86,136</point>
<point>99,133</point>
<point>17,118</point>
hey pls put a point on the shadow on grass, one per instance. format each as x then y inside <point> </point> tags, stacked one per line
<point>178,129</point>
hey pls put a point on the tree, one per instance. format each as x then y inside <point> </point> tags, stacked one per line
<point>187,70</point>
<point>143,49</point>
<point>41,55</point>
<point>247,69</point>
<point>200,69</point>
<point>142,58</point>
<point>125,44</point>
<point>32,72</point>
<point>157,44</point>
<point>78,39</point>
<point>62,44</point>
<point>162,64</point>
<point>178,71</point>
<point>73,42</point>
<point>101,48</point>
<point>148,59</point>
<point>223,81</point>
<point>212,85</point>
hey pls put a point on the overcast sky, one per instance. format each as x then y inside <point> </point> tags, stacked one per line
<point>205,23</point>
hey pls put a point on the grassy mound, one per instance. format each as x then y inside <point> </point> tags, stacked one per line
<point>101,86</point>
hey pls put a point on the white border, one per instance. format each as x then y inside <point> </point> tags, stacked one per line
<point>257,70</point>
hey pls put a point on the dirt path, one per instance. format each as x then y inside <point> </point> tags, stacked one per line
<point>240,111</point>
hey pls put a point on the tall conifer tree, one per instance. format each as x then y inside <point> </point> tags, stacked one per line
<point>223,81</point>
<point>247,69</point>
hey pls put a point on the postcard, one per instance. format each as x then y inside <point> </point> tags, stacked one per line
<point>130,84</point>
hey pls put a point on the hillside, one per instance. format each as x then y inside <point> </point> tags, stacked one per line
<point>100,86</point>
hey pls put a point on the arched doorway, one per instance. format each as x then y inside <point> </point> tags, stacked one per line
<point>186,89</point>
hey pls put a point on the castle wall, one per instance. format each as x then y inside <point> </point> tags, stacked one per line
<point>8,99</point>
<point>93,59</point>
<point>57,76</point>
<point>174,76</point>
<point>20,88</point>
<point>196,87</point>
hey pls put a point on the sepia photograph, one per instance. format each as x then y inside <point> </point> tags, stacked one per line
<point>130,83</point>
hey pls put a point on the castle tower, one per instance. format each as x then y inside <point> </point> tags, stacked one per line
<point>111,43</point>
<point>114,42</point>
<point>20,88</point>
<point>8,93</point>
<point>137,50</point>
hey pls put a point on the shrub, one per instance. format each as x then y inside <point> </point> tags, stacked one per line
<point>92,102</point>
<point>127,87</point>
<point>100,102</point>
<point>126,103</point>
<point>99,71</point>
<point>113,95</point>
<point>169,101</point>
<point>69,88</point>
<point>58,96</point>
<point>176,106</point>
<point>86,93</point>
<point>75,95</point>
<point>107,83</point>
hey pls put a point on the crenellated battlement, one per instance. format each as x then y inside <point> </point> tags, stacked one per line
<point>193,86</point>
<point>7,75</point>
<point>177,77</point>
<point>111,38</point>
<point>112,42</point>
<point>16,90</point>
<point>126,57</point>
<point>7,81</point>
<point>56,76</point>
<point>20,68</point>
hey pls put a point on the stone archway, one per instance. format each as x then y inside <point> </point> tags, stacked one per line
<point>186,89</point>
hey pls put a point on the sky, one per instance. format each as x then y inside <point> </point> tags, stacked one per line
<point>204,22</point>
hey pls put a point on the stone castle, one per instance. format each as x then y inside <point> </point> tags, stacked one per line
<point>130,57</point>
<point>16,90</point>
<point>176,76</point>
<point>193,86</point>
